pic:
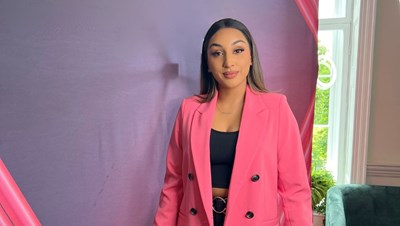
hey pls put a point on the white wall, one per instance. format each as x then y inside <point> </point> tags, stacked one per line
<point>384,134</point>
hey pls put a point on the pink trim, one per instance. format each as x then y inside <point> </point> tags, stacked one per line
<point>14,207</point>
<point>306,132</point>
<point>309,10</point>
<point>4,218</point>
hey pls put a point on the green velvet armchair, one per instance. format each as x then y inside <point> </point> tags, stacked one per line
<point>363,205</point>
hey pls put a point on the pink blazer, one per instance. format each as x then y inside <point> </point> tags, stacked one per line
<point>268,146</point>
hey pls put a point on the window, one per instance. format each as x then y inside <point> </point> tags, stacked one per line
<point>335,94</point>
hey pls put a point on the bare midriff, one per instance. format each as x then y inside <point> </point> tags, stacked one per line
<point>221,192</point>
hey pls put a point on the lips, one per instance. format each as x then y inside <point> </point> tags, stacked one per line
<point>230,74</point>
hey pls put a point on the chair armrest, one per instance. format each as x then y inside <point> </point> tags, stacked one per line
<point>335,215</point>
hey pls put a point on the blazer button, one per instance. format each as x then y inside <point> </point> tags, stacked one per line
<point>249,215</point>
<point>193,211</point>
<point>190,176</point>
<point>255,178</point>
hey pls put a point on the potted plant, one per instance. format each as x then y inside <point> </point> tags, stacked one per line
<point>322,180</point>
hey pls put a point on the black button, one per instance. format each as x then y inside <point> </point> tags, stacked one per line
<point>190,176</point>
<point>255,178</point>
<point>193,211</point>
<point>249,215</point>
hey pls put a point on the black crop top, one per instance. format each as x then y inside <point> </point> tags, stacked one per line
<point>222,152</point>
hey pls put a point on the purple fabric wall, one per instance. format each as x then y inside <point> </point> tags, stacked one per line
<point>89,91</point>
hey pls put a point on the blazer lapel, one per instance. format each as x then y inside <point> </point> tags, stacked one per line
<point>250,133</point>
<point>251,125</point>
<point>200,143</point>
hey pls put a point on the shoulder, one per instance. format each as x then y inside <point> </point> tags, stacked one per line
<point>190,104</point>
<point>271,100</point>
<point>192,101</point>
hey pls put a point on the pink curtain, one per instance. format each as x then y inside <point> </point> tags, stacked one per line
<point>14,209</point>
<point>309,10</point>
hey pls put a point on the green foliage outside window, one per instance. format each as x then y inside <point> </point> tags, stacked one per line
<point>319,154</point>
<point>322,180</point>
<point>321,116</point>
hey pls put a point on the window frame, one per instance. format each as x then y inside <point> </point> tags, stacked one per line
<point>350,95</point>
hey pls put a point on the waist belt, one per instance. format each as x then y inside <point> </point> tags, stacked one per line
<point>219,204</point>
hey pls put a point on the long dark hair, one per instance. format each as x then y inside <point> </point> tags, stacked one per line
<point>208,85</point>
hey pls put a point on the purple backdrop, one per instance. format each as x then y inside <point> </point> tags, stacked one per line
<point>89,91</point>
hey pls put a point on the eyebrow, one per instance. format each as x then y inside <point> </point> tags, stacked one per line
<point>219,45</point>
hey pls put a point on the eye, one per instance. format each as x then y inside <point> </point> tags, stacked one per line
<point>216,53</point>
<point>238,51</point>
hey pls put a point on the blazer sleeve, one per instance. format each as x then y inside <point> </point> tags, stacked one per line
<point>293,185</point>
<point>171,193</point>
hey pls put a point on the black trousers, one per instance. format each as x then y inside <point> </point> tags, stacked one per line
<point>218,219</point>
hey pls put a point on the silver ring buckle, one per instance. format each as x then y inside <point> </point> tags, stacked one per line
<point>221,201</point>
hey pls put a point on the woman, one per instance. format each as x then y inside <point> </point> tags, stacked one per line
<point>235,148</point>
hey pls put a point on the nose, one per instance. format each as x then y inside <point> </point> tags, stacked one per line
<point>228,61</point>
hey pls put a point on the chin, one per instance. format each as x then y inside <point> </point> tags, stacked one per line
<point>233,85</point>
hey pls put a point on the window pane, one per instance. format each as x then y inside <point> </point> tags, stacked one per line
<point>321,113</point>
<point>330,57</point>
<point>332,9</point>
<point>329,92</point>
<point>319,147</point>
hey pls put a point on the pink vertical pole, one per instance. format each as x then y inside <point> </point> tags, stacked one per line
<point>14,209</point>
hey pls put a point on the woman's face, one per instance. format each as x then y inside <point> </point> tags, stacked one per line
<point>229,58</point>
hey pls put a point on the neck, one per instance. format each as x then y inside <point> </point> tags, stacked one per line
<point>231,96</point>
